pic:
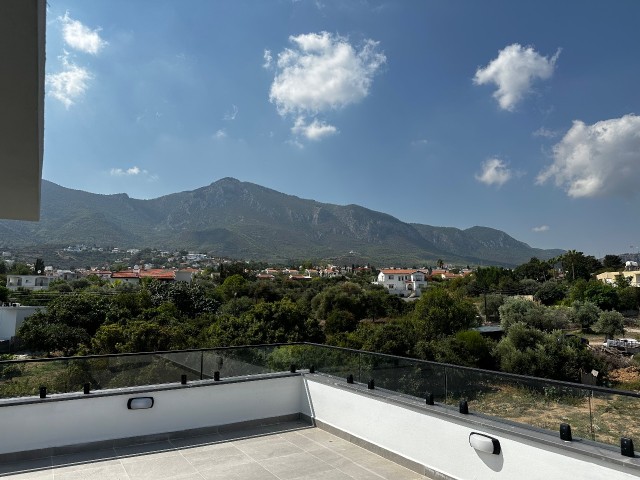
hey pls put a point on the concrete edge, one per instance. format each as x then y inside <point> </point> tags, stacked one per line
<point>135,390</point>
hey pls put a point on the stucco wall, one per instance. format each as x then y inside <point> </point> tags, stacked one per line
<point>91,419</point>
<point>443,445</point>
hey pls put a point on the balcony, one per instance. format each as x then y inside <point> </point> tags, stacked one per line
<point>304,411</point>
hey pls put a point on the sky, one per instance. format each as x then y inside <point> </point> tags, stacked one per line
<point>520,116</point>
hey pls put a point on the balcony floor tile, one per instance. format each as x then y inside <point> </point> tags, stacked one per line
<point>288,451</point>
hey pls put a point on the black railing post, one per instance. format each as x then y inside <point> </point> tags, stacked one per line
<point>201,364</point>
<point>592,431</point>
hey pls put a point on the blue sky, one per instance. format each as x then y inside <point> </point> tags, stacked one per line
<point>519,116</point>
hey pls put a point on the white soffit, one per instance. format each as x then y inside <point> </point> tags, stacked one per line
<point>22,50</point>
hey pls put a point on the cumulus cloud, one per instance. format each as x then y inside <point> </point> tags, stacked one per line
<point>513,72</point>
<point>321,72</point>
<point>80,37</point>
<point>541,228</point>
<point>315,130</point>
<point>597,160</point>
<point>69,84</point>
<point>494,172</point>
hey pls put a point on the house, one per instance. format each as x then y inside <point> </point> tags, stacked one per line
<point>299,277</point>
<point>30,282</point>
<point>610,277</point>
<point>186,274</point>
<point>127,276</point>
<point>402,282</point>
<point>265,276</point>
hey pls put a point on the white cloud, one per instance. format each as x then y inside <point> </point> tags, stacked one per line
<point>80,37</point>
<point>323,72</point>
<point>494,172</point>
<point>220,134</point>
<point>597,160</point>
<point>268,59</point>
<point>231,115</point>
<point>541,228</point>
<point>120,172</point>
<point>69,84</point>
<point>513,72</point>
<point>420,142</point>
<point>545,132</point>
<point>315,130</point>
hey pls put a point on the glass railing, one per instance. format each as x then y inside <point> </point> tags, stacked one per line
<point>595,413</point>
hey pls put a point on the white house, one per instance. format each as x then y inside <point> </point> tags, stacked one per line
<point>402,282</point>
<point>31,282</point>
<point>11,317</point>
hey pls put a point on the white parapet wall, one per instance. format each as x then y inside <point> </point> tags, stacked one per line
<point>441,442</point>
<point>430,439</point>
<point>83,419</point>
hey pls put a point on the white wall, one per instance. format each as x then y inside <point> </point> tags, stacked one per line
<point>428,439</point>
<point>11,318</point>
<point>443,445</point>
<point>54,424</point>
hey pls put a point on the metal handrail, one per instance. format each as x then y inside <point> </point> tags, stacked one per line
<point>512,376</point>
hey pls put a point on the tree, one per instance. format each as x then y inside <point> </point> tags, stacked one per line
<point>39,333</point>
<point>38,268</point>
<point>491,278</point>
<point>530,314</point>
<point>439,313</point>
<point>340,321</point>
<point>550,292</point>
<point>468,348</point>
<point>585,314</point>
<point>603,295</point>
<point>612,263</point>
<point>610,323</point>
<point>490,307</point>
<point>628,298</point>
<point>346,296</point>
<point>527,351</point>
<point>4,294</point>
<point>233,286</point>
<point>534,269</point>
<point>20,269</point>
<point>395,337</point>
<point>576,265</point>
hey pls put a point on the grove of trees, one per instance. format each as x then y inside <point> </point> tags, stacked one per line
<point>537,304</point>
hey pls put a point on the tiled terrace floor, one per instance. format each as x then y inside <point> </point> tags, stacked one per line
<point>291,450</point>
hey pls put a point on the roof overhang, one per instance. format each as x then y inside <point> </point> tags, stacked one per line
<point>22,49</point>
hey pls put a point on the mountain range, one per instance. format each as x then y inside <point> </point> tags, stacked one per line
<point>243,220</point>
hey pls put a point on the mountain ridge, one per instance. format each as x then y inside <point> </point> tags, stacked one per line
<point>244,220</point>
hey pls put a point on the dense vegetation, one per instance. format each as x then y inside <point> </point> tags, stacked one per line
<point>92,316</point>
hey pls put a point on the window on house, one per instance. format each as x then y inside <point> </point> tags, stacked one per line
<point>390,277</point>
